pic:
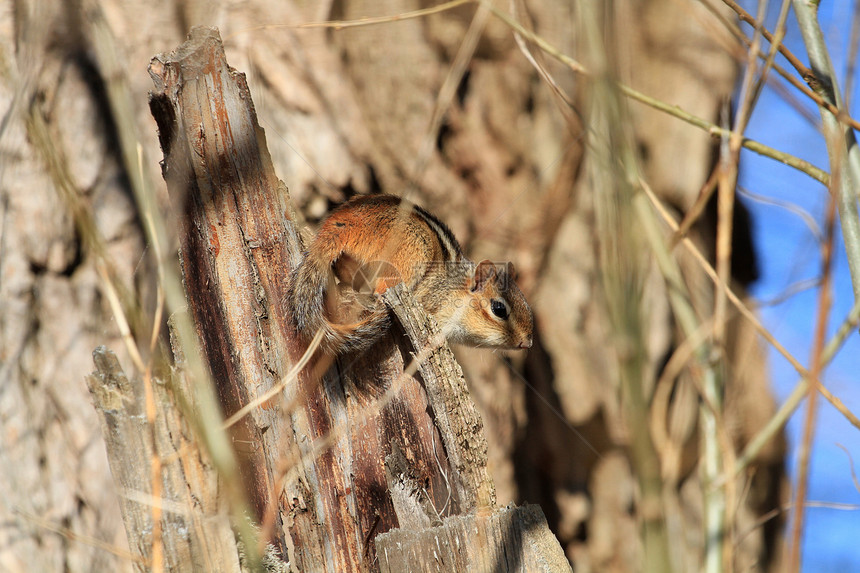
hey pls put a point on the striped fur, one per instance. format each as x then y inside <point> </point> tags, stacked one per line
<point>334,287</point>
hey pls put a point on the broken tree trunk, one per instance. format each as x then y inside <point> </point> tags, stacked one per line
<point>331,462</point>
<point>192,532</point>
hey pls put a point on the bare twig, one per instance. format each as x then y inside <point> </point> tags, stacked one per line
<point>808,219</point>
<point>717,500</point>
<point>733,298</point>
<point>713,130</point>
<point>120,316</point>
<point>803,70</point>
<point>343,24</point>
<point>785,74</point>
<point>851,64</point>
<point>776,423</point>
<point>823,311</point>
<point>851,466</point>
<point>765,333</point>
<point>842,145</point>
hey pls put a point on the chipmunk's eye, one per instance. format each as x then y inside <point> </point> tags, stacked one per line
<point>499,308</point>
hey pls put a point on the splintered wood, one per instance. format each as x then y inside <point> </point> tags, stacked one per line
<point>344,453</point>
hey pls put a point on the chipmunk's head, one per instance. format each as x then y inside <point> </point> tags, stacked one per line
<point>494,313</point>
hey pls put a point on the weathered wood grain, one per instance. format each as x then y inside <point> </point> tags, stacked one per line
<point>195,532</point>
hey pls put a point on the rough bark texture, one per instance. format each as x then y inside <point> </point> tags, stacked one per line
<point>238,245</point>
<point>347,111</point>
<point>459,424</point>
<point>195,531</point>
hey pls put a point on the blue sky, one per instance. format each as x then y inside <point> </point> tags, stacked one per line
<point>787,253</point>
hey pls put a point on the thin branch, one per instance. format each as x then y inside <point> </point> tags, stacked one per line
<point>808,219</point>
<point>718,501</point>
<point>851,466</point>
<point>342,24</point>
<point>786,507</point>
<point>776,423</point>
<point>851,64</point>
<point>806,73</point>
<point>824,302</point>
<point>786,75</point>
<point>716,131</point>
<point>734,298</point>
<point>852,321</point>
<point>673,110</point>
<point>790,291</point>
<point>841,142</point>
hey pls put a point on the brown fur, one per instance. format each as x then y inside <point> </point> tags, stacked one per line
<point>371,243</point>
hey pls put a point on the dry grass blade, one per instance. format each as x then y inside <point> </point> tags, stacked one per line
<point>622,268</point>
<point>669,450</point>
<point>156,551</point>
<point>120,317</point>
<point>693,213</point>
<point>370,21</point>
<point>288,378</point>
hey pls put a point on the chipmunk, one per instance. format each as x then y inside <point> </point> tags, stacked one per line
<point>371,243</point>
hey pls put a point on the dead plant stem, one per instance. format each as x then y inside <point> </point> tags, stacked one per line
<point>816,367</point>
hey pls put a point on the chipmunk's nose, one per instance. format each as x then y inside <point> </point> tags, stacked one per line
<point>527,343</point>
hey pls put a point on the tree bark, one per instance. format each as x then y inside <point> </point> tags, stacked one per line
<point>326,442</point>
<point>194,532</point>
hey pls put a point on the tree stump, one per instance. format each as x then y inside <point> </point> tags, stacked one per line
<point>334,460</point>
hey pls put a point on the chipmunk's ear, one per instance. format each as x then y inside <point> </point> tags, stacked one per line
<point>485,271</point>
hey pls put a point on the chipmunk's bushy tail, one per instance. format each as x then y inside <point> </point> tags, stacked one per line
<point>312,291</point>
